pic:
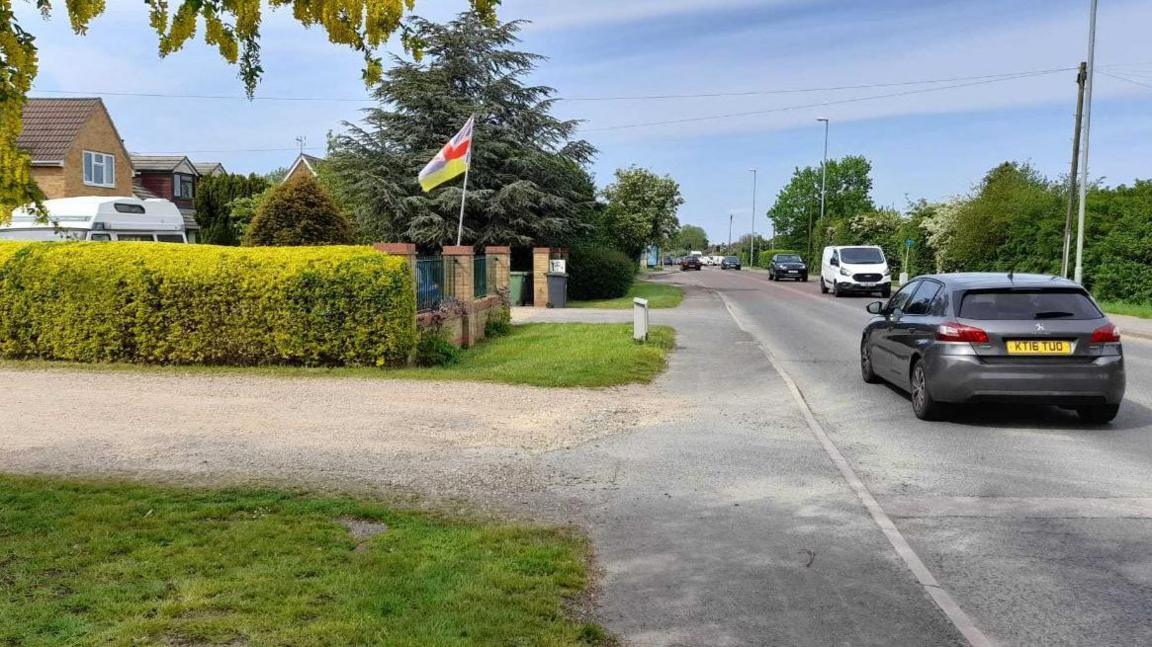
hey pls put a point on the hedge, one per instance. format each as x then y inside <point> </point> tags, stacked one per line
<point>599,273</point>
<point>201,304</point>
<point>764,257</point>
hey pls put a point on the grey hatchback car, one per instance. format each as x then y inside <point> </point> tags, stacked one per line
<point>1024,338</point>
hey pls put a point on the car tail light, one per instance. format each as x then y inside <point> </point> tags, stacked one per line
<point>1105,334</point>
<point>953,331</point>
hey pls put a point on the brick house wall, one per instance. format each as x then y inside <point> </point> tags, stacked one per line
<point>100,136</point>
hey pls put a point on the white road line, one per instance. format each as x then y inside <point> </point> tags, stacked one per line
<point>941,597</point>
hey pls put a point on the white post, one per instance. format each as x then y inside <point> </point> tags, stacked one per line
<point>1087,129</point>
<point>463,196</point>
<point>640,319</point>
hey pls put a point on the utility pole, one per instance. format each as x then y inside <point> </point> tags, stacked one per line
<point>1079,276</point>
<point>823,187</point>
<point>752,255</point>
<point>730,217</point>
<point>1081,76</point>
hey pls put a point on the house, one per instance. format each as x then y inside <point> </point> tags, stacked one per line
<point>75,148</point>
<point>304,165</point>
<point>172,177</point>
<point>206,169</point>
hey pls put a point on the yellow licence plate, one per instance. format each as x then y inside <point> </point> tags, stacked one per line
<point>1038,347</point>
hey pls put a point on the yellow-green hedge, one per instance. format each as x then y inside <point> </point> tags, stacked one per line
<point>200,304</point>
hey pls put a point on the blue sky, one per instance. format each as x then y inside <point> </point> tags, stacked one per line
<point>931,145</point>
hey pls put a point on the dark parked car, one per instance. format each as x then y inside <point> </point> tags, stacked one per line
<point>690,263</point>
<point>730,263</point>
<point>668,260</point>
<point>787,266</point>
<point>1028,338</point>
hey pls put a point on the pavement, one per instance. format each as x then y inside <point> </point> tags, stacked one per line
<point>737,525</point>
<point>1133,326</point>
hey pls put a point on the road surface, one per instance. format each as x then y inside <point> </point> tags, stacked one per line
<point>1037,526</point>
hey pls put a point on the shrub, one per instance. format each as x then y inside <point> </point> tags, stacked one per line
<point>298,212</point>
<point>499,322</point>
<point>598,273</point>
<point>434,349</point>
<point>193,304</point>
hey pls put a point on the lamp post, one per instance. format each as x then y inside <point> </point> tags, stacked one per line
<point>823,186</point>
<point>730,217</point>
<point>1079,275</point>
<point>752,255</point>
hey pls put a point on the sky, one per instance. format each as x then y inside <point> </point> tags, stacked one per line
<point>771,54</point>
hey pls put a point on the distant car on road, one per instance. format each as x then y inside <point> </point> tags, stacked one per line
<point>730,263</point>
<point>787,266</point>
<point>690,263</point>
<point>668,260</point>
<point>1029,338</point>
<point>855,268</point>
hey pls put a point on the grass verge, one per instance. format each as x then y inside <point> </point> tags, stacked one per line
<point>543,354</point>
<point>659,295</point>
<point>115,564</point>
<point>1128,309</point>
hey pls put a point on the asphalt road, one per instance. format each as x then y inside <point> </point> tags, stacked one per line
<point>1038,526</point>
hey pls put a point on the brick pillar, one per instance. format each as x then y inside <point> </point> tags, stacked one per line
<point>502,257</point>
<point>540,258</point>
<point>407,251</point>
<point>463,285</point>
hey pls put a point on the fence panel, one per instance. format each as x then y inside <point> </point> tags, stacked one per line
<point>430,286</point>
<point>480,277</point>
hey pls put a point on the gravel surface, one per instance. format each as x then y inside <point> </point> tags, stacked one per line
<point>452,438</point>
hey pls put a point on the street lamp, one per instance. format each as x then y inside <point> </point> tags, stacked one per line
<point>823,187</point>
<point>752,255</point>
<point>730,217</point>
<point>1079,275</point>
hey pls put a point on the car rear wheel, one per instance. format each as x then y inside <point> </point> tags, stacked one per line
<point>923,405</point>
<point>1098,414</point>
<point>866,370</point>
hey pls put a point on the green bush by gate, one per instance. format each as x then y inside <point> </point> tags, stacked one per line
<point>199,304</point>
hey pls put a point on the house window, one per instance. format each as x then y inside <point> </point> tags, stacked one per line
<point>99,169</point>
<point>183,186</point>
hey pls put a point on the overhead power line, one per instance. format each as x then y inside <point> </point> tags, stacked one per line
<point>820,104</point>
<point>650,97</point>
<point>1125,78</point>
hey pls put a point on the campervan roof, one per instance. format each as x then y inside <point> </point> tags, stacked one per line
<point>100,213</point>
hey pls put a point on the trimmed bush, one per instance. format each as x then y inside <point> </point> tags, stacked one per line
<point>201,304</point>
<point>599,273</point>
<point>298,212</point>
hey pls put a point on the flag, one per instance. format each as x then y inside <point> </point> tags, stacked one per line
<point>452,160</point>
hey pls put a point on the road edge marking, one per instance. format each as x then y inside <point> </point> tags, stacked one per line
<point>946,603</point>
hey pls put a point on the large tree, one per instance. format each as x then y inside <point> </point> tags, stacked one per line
<point>528,181</point>
<point>641,210</point>
<point>690,237</point>
<point>798,203</point>
<point>215,195</point>
<point>231,26</point>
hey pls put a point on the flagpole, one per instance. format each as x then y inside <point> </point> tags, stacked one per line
<point>464,191</point>
<point>463,196</point>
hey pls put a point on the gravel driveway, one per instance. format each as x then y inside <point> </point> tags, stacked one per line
<point>452,438</point>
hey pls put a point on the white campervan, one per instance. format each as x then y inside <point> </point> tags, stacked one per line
<point>855,268</point>
<point>99,218</point>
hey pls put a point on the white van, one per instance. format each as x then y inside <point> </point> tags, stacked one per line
<point>101,219</point>
<point>855,268</point>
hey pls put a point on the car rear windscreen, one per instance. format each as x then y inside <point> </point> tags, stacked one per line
<point>861,255</point>
<point>1027,305</point>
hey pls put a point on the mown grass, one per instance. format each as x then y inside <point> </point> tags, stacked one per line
<point>115,564</point>
<point>659,295</point>
<point>543,354</point>
<point>1129,309</point>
